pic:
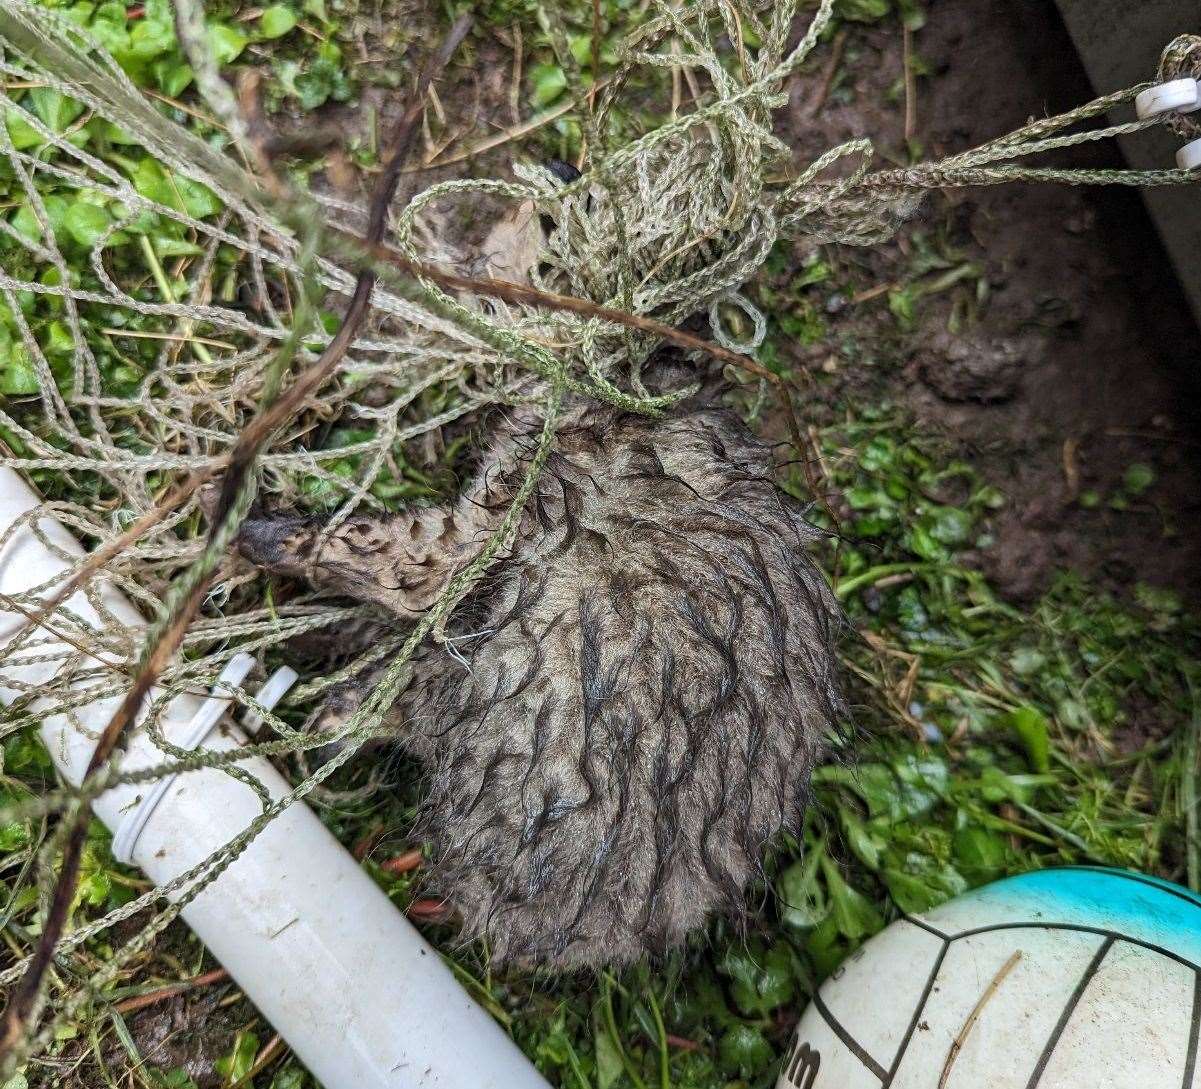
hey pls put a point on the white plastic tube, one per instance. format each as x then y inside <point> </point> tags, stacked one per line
<point>328,960</point>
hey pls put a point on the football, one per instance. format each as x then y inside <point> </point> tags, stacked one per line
<point>1058,979</point>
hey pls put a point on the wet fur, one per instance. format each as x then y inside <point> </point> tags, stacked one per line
<point>632,701</point>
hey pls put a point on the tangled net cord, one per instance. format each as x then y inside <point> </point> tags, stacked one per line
<point>671,224</point>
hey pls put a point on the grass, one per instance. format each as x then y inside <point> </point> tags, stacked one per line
<point>992,740</point>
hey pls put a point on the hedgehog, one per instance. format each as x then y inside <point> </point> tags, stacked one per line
<point>625,711</point>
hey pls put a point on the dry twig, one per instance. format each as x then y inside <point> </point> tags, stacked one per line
<point>152,998</point>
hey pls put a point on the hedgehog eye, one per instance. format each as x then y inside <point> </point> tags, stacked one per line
<point>565,172</point>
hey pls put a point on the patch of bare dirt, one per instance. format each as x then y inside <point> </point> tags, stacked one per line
<point>1083,360</point>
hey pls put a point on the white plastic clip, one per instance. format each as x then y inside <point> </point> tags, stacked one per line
<point>1177,95</point>
<point>1189,156</point>
<point>198,727</point>
<point>268,696</point>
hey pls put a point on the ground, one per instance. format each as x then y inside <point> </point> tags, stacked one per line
<point>1002,402</point>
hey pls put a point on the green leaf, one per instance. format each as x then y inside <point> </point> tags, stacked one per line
<point>548,82</point>
<point>322,80</point>
<point>581,48</point>
<point>55,110</point>
<point>18,378</point>
<point>825,947</point>
<point>25,220</point>
<point>277,21</point>
<point>554,1049</point>
<point>226,42</point>
<point>1138,478</point>
<point>236,1065</point>
<point>950,525</point>
<point>762,980</point>
<point>13,836</point>
<point>58,339</point>
<point>172,76</point>
<point>176,247</point>
<point>997,786</point>
<point>94,888</point>
<point>1158,599</point>
<point>860,839</point>
<point>979,852</point>
<point>923,884</point>
<point>25,753</point>
<point>911,786</point>
<point>815,272</point>
<point>178,1078</point>
<point>913,15</point>
<point>801,898</point>
<point>151,180</point>
<point>803,323</point>
<point>86,222</point>
<point>903,304</point>
<point>862,11</point>
<point>1031,726</point>
<point>921,542</point>
<point>21,132</point>
<point>109,25</point>
<point>150,39</point>
<point>924,774</point>
<point>743,1050</point>
<point>878,787</point>
<point>609,1067</point>
<point>855,915</point>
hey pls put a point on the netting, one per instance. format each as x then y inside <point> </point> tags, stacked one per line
<point>666,226</point>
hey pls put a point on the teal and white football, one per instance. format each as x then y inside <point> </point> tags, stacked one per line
<point>1061,979</point>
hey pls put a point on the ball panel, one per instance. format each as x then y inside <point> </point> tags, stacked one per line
<point>1192,1062</point>
<point>1002,1047</point>
<point>819,1059</point>
<point>1170,888</point>
<point>1130,1027</point>
<point>1131,905</point>
<point>877,988</point>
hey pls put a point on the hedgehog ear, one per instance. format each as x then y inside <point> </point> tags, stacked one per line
<point>275,542</point>
<point>516,241</point>
<point>513,245</point>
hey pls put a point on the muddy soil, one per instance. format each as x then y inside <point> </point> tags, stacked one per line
<point>1084,360</point>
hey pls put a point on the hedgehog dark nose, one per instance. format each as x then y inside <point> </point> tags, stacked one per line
<point>263,540</point>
